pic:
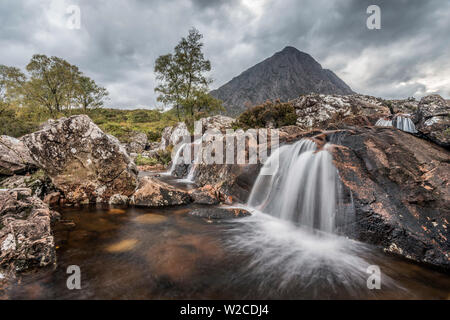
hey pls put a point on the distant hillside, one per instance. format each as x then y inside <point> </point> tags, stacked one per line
<point>284,76</point>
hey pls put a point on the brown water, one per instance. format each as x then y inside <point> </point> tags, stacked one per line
<point>140,253</point>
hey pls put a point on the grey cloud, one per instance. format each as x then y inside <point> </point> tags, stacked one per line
<point>119,41</point>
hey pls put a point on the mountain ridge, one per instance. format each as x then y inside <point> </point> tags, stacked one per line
<point>285,75</point>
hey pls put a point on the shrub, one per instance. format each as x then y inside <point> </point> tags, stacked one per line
<point>276,113</point>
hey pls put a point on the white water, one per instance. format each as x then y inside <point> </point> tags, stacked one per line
<point>383,123</point>
<point>291,238</point>
<point>302,190</point>
<point>405,124</point>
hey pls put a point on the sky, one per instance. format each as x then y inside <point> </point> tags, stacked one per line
<point>118,41</point>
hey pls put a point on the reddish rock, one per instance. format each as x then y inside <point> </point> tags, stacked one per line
<point>152,192</point>
<point>52,199</point>
<point>401,190</point>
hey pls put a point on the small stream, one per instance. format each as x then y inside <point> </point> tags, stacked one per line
<point>138,253</point>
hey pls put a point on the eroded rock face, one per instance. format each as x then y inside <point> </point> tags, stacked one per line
<point>173,135</point>
<point>14,157</point>
<point>401,190</point>
<point>152,192</point>
<point>82,161</point>
<point>138,143</point>
<point>320,111</point>
<point>433,119</point>
<point>26,239</point>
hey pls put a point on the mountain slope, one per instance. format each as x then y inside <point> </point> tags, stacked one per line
<point>284,76</point>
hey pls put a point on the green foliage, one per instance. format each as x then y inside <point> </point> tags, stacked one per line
<point>144,161</point>
<point>277,113</point>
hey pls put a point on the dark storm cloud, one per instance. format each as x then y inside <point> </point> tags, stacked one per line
<point>119,40</point>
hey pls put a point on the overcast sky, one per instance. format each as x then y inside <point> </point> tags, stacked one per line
<point>118,41</point>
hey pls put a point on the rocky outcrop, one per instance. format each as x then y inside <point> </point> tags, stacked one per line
<point>152,192</point>
<point>432,119</point>
<point>284,76</point>
<point>401,191</point>
<point>26,239</point>
<point>220,213</point>
<point>138,143</point>
<point>173,135</point>
<point>14,157</point>
<point>221,123</point>
<point>39,183</point>
<point>82,161</point>
<point>322,111</point>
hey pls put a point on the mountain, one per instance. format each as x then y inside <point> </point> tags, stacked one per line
<point>284,76</point>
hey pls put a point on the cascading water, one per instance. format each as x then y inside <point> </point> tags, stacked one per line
<point>291,240</point>
<point>405,124</point>
<point>303,189</point>
<point>176,159</point>
<point>383,123</point>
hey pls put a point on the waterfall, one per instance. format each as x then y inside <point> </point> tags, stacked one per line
<point>176,159</point>
<point>303,189</point>
<point>383,123</point>
<point>405,124</point>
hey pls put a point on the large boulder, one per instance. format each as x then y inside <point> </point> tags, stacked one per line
<point>401,191</point>
<point>14,157</point>
<point>82,161</point>
<point>152,192</point>
<point>433,119</point>
<point>39,183</point>
<point>26,238</point>
<point>137,143</point>
<point>320,111</point>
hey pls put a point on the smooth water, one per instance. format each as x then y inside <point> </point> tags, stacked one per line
<point>138,253</point>
<point>383,123</point>
<point>405,124</point>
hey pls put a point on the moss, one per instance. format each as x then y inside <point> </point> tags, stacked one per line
<point>144,161</point>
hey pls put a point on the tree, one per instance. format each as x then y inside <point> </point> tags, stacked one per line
<point>11,79</point>
<point>182,74</point>
<point>88,94</point>
<point>52,83</point>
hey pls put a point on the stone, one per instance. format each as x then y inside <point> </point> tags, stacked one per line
<point>220,213</point>
<point>52,199</point>
<point>119,199</point>
<point>152,192</point>
<point>433,119</point>
<point>401,193</point>
<point>174,135</point>
<point>14,157</point>
<point>218,122</point>
<point>26,237</point>
<point>138,143</point>
<point>83,162</point>
<point>205,195</point>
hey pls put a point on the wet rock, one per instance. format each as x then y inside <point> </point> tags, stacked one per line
<point>219,213</point>
<point>52,199</point>
<point>119,199</point>
<point>14,157</point>
<point>401,192</point>
<point>26,238</point>
<point>152,192</point>
<point>205,195</point>
<point>84,163</point>
<point>433,119</point>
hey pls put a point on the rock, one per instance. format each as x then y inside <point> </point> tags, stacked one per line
<point>26,238</point>
<point>84,163</point>
<point>220,213</point>
<point>138,143</point>
<point>174,135</point>
<point>320,111</point>
<point>38,182</point>
<point>52,199</point>
<point>14,157</point>
<point>205,195</point>
<point>433,119</point>
<point>119,199</point>
<point>219,122</point>
<point>152,192</point>
<point>400,186</point>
